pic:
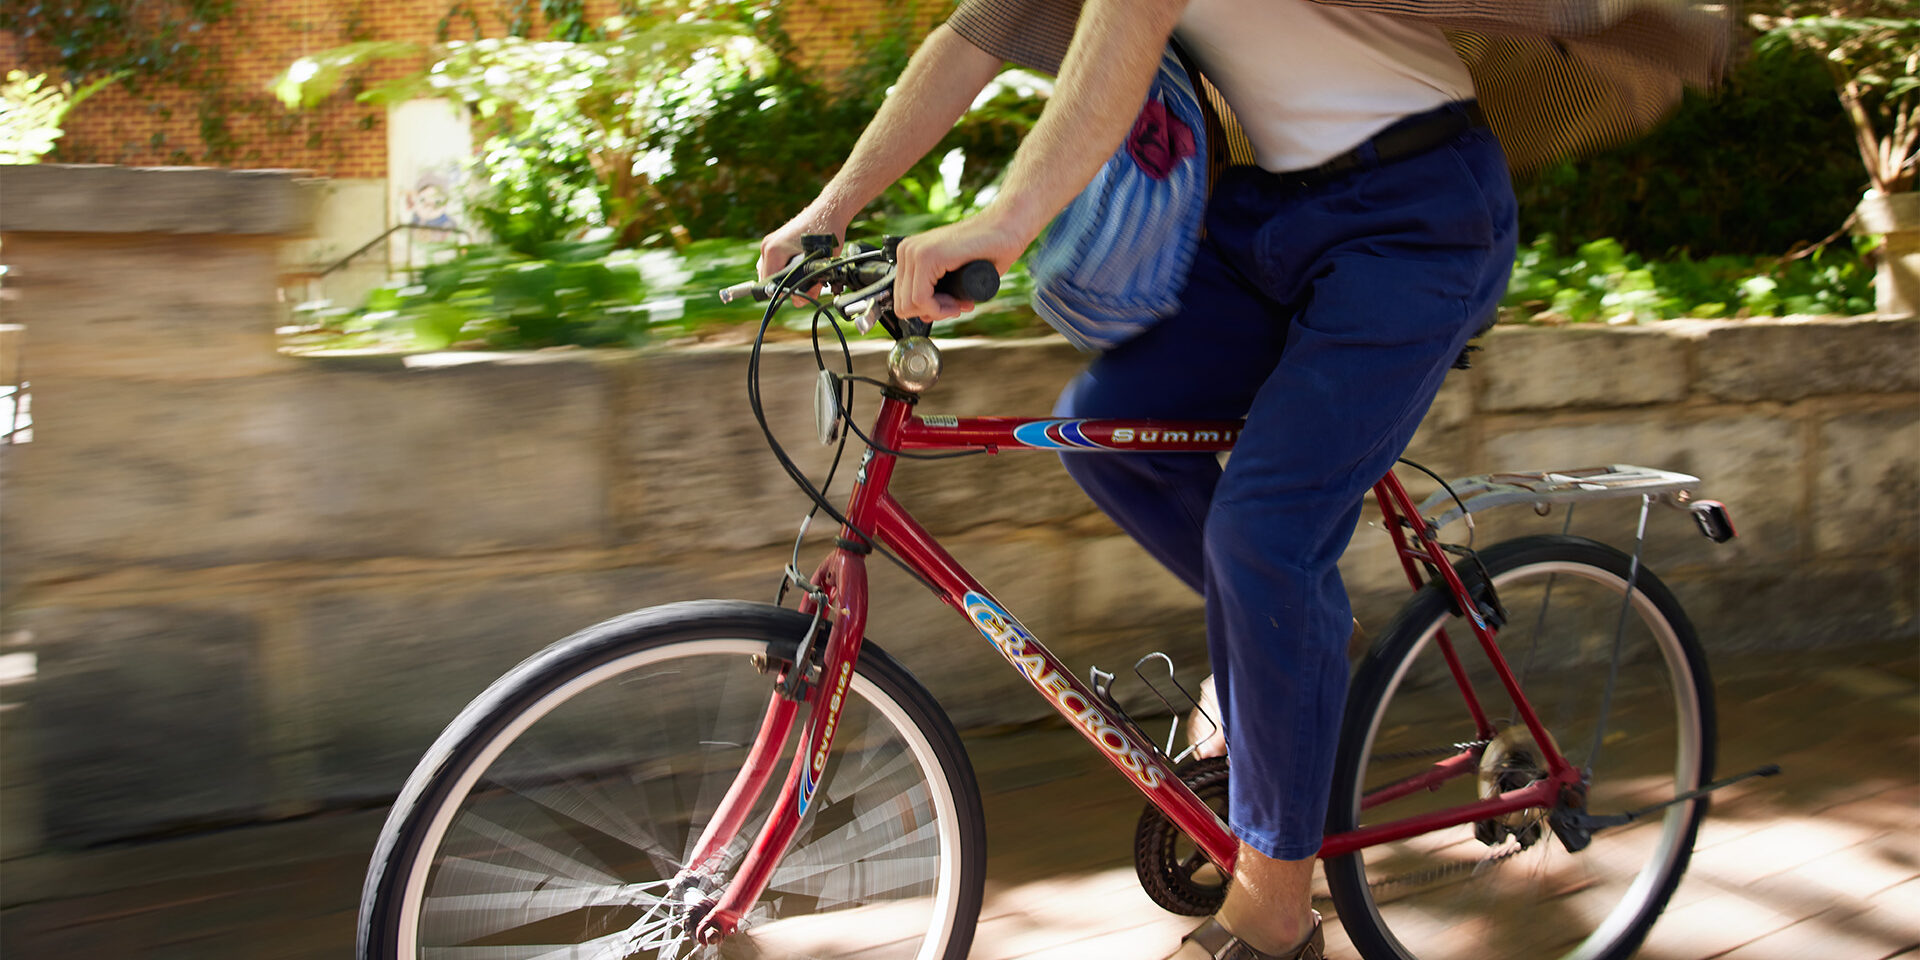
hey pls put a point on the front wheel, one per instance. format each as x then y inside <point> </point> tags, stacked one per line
<point>1511,887</point>
<point>550,818</point>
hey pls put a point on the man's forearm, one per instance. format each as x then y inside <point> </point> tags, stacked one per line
<point>935,90</point>
<point>1116,48</point>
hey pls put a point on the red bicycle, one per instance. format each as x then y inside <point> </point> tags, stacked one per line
<point>621,793</point>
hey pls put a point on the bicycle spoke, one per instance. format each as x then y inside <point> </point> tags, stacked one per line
<point>539,853</point>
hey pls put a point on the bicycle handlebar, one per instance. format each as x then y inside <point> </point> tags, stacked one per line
<point>974,282</point>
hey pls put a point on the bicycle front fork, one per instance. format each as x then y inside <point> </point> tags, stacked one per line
<point>839,598</point>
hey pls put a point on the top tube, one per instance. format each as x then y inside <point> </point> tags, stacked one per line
<point>934,432</point>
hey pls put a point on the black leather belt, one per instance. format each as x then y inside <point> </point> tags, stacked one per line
<point>1407,137</point>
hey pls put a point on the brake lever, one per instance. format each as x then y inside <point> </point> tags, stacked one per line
<point>872,291</point>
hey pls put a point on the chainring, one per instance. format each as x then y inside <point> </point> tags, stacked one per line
<point>1172,870</point>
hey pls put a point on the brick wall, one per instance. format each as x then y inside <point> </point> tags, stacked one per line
<point>164,127</point>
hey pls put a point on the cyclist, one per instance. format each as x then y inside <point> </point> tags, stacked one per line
<point>1340,275</point>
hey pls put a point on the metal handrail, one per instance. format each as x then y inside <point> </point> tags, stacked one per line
<point>376,241</point>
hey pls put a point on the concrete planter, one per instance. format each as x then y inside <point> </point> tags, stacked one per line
<point>1897,283</point>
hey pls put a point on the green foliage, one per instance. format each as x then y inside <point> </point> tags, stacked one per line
<point>31,111</point>
<point>1871,50</point>
<point>142,40</point>
<point>585,294</point>
<point>679,124</point>
<point>1765,165</point>
<point>143,44</point>
<point>1603,281</point>
<point>581,294</point>
<point>493,298</point>
<point>580,130</point>
<point>769,143</point>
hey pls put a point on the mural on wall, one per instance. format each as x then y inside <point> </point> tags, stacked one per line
<point>428,145</point>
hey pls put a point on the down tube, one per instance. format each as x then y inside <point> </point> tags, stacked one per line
<point>1114,737</point>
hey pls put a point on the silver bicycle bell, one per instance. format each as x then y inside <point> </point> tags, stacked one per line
<point>914,364</point>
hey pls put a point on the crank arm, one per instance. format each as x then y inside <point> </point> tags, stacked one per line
<point>1592,823</point>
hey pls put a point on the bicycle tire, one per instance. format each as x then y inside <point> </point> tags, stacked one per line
<point>1510,888</point>
<point>573,858</point>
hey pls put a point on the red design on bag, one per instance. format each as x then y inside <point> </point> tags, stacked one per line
<point>1159,141</point>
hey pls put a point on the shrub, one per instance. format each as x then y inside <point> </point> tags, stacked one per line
<point>1763,166</point>
<point>1602,281</point>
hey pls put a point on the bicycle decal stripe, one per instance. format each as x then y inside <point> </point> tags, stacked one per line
<point>1011,638</point>
<point>810,774</point>
<point>1054,435</point>
<point>807,785</point>
<point>1036,434</point>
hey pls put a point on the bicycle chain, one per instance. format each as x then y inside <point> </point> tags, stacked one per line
<point>1427,876</point>
<point>1454,750</point>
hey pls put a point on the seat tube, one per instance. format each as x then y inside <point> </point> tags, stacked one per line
<point>1557,764</point>
<point>1396,506</point>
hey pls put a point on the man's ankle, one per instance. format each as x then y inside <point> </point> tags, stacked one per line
<point>1276,939</point>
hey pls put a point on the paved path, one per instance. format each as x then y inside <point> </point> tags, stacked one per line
<point>1822,863</point>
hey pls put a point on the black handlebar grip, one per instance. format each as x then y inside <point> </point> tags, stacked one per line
<point>974,282</point>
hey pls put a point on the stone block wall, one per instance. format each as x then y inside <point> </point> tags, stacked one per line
<point>253,586</point>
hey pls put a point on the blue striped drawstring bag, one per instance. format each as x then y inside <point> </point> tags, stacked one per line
<point>1114,262</point>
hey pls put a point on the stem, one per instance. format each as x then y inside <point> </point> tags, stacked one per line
<point>1864,136</point>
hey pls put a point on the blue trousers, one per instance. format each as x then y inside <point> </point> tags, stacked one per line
<point>1327,316</point>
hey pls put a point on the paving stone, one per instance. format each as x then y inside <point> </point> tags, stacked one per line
<point>1845,876</point>
<point>1823,936</point>
<point>1893,914</point>
<point>1780,847</point>
<point>1711,927</point>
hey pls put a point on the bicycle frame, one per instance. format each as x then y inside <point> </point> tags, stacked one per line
<point>843,585</point>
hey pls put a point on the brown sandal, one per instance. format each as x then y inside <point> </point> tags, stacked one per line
<point>1222,945</point>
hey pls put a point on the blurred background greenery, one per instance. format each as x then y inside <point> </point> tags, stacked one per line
<point>1735,207</point>
<point>627,167</point>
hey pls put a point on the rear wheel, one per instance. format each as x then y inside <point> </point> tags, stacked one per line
<point>550,818</point>
<point>1511,887</point>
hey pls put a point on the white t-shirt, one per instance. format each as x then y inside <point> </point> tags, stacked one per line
<point>1310,81</point>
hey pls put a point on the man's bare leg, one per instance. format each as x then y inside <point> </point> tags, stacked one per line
<point>1267,905</point>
